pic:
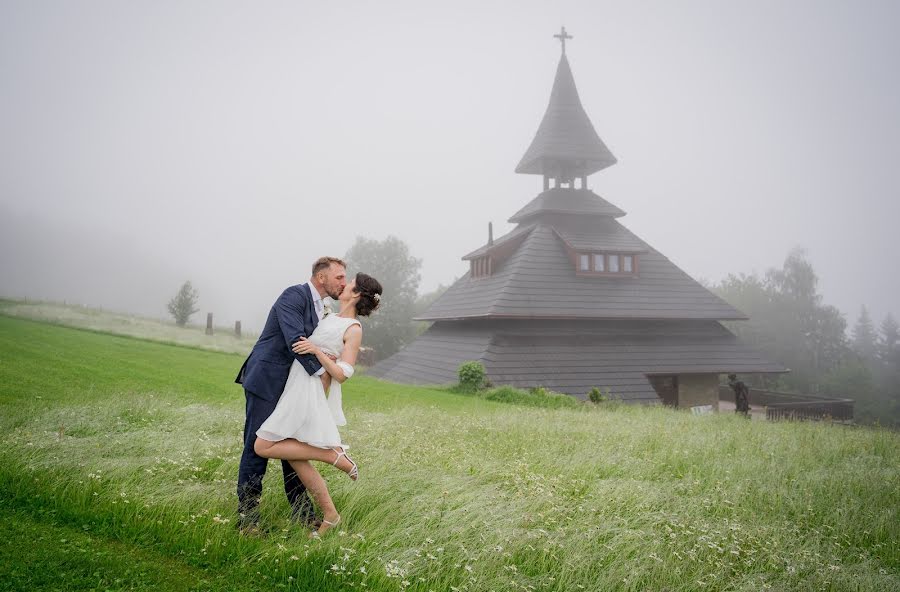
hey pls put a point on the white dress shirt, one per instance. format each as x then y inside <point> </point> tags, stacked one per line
<point>319,306</point>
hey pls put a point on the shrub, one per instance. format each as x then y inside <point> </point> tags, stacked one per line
<point>535,397</point>
<point>471,376</point>
<point>597,396</point>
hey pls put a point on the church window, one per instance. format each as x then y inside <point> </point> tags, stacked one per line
<point>480,267</point>
<point>584,262</point>
<point>606,264</point>
<point>614,264</point>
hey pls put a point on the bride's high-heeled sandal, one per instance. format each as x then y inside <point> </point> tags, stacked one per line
<point>354,470</point>
<point>315,534</point>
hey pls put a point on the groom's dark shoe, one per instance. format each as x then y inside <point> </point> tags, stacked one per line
<point>248,523</point>
<point>250,529</point>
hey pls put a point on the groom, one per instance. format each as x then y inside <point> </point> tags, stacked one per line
<point>295,314</point>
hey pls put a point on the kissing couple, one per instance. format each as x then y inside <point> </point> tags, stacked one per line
<point>302,353</point>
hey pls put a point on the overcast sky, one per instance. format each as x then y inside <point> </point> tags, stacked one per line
<point>145,143</point>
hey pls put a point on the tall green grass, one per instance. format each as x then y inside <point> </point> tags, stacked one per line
<point>135,445</point>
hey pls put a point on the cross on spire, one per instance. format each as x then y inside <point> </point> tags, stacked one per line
<point>562,36</point>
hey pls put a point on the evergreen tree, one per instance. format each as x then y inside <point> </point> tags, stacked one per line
<point>183,304</point>
<point>889,341</point>
<point>864,336</point>
<point>889,375</point>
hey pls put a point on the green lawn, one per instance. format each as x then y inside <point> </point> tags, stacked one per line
<point>104,321</point>
<point>118,459</point>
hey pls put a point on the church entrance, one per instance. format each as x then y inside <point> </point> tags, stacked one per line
<point>667,389</point>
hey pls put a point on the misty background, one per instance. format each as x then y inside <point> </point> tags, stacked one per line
<point>143,144</point>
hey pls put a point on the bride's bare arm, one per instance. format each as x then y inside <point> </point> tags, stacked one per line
<point>352,341</point>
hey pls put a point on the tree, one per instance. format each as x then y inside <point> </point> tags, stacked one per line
<point>789,322</point>
<point>820,328</point>
<point>864,336</point>
<point>853,380</point>
<point>889,367</point>
<point>183,305</point>
<point>889,341</point>
<point>391,326</point>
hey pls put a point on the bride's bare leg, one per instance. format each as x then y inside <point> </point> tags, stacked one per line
<point>316,485</point>
<point>291,450</point>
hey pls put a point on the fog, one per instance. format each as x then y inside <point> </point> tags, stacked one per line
<point>146,143</point>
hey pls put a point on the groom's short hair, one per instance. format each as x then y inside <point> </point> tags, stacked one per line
<point>323,263</point>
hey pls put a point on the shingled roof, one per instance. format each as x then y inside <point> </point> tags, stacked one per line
<point>539,281</point>
<point>577,202</point>
<point>566,144</point>
<point>574,356</point>
<point>505,241</point>
<point>603,235</point>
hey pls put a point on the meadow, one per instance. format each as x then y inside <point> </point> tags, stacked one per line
<point>118,459</point>
<point>106,321</point>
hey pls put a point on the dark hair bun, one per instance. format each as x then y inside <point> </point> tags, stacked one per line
<point>369,291</point>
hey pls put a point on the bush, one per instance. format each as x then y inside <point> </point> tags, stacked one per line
<point>535,397</point>
<point>471,376</point>
<point>597,396</point>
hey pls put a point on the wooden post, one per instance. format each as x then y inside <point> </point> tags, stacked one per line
<point>209,329</point>
<point>237,329</point>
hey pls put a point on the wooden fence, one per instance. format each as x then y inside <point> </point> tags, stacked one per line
<point>792,406</point>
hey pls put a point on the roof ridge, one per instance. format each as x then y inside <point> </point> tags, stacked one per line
<point>582,202</point>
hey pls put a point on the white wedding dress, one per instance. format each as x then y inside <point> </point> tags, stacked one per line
<point>304,412</point>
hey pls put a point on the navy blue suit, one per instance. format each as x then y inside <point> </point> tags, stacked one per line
<point>264,374</point>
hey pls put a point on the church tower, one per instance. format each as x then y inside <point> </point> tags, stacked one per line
<point>571,299</point>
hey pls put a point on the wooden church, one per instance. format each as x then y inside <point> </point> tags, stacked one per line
<point>570,299</point>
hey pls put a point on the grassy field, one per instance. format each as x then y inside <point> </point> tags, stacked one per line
<point>104,321</point>
<point>118,459</point>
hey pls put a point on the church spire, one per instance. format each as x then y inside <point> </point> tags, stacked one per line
<point>566,145</point>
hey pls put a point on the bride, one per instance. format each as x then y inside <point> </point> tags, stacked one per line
<point>304,425</point>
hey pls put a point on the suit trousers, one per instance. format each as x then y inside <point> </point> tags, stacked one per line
<point>253,468</point>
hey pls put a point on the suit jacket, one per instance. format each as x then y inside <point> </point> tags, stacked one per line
<point>266,369</point>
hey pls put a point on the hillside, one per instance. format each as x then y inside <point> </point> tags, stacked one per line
<point>97,319</point>
<point>118,459</point>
